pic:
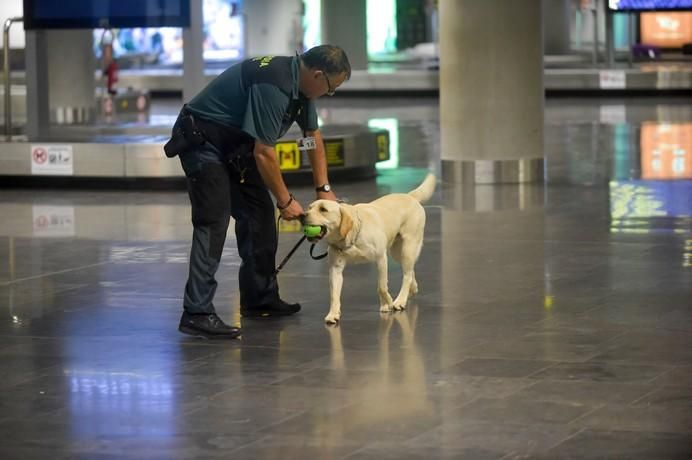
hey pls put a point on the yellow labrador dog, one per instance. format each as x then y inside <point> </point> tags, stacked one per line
<point>365,233</point>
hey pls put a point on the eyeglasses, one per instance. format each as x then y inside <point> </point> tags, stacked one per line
<point>330,91</point>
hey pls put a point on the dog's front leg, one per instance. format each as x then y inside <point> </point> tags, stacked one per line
<point>382,284</point>
<point>336,280</point>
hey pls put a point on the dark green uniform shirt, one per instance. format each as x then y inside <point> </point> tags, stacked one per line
<point>260,96</point>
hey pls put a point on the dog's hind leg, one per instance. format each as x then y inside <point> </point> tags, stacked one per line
<point>395,248</point>
<point>414,285</point>
<point>396,251</point>
<point>382,284</point>
<point>409,254</point>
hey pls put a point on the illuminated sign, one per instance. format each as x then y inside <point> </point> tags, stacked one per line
<point>392,156</point>
<point>223,38</point>
<point>89,14</point>
<point>667,30</point>
<point>649,5</point>
<point>334,149</point>
<point>288,155</point>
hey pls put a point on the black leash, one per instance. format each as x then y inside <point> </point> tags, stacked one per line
<point>288,256</point>
<point>295,248</point>
<point>314,257</point>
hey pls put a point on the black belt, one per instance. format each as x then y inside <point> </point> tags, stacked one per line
<point>229,140</point>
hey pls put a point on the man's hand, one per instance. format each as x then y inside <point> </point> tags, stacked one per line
<point>293,211</point>
<point>326,196</point>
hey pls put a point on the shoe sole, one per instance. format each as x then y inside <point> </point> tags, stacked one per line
<point>202,335</point>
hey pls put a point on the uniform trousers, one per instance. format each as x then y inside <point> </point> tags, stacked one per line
<point>219,188</point>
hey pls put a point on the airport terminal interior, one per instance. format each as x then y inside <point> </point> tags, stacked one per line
<point>553,318</point>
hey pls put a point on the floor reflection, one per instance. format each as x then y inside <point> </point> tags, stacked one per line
<point>551,316</point>
<point>397,388</point>
<point>489,198</point>
<point>644,206</point>
<point>624,141</point>
<point>99,401</point>
<point>666,151</point>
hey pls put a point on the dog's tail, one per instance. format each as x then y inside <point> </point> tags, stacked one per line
<point>424,190</point>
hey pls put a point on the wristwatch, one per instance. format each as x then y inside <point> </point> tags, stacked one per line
<point>324,188</point>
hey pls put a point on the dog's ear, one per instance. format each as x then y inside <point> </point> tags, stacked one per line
<point>346,222</point>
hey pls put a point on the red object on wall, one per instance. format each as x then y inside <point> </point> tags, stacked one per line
<point>111,76</point>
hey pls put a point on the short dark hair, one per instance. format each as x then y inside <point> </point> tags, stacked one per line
<point>328,58</point>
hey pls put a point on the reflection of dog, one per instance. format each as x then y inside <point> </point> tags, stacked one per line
<point>364,232</point>
<point>393,389</point>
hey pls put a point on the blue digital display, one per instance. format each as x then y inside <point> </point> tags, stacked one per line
<point>650,5</point>
<point>90,14</point>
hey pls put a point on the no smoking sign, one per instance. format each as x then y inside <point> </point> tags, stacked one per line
<point>53,160</point>
<point>39,155</point>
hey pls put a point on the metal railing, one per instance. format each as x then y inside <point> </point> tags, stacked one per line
<point>6,62</point>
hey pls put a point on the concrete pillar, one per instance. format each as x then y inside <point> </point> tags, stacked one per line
<point>273,27</point>
<point>556,24</point>
<point>344,25</point>
<point>193,52</point>
<point>60,66</point>
<point>71,66</point>
<point>491,91</point>
<point>609,40</point>
<point>37,112</point>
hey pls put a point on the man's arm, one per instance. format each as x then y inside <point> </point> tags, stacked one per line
<point>268,165</point>
<point>318,161</point>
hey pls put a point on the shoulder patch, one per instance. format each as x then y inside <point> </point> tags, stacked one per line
<point>263,60</point>
<point>274,70</point>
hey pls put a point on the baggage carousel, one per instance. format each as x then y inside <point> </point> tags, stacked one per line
<point>132,155</point>
<point>395,80</point>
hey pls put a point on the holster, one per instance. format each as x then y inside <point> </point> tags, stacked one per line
<point>190,132</point>
<point>185,136</point>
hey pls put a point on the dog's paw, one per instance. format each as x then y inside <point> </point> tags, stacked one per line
<point>399,303</point>
<point>386,308</point>
<point>332,319</point>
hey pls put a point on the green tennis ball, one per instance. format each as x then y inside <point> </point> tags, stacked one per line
<point>312,231</point>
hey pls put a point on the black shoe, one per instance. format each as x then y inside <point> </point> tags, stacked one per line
<point>208,326</point>
<point>279,308</point>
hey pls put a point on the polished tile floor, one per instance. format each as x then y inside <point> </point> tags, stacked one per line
<point>554,321</point>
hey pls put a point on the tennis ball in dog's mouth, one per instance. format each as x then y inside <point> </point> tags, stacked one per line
<point>312,231</point>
